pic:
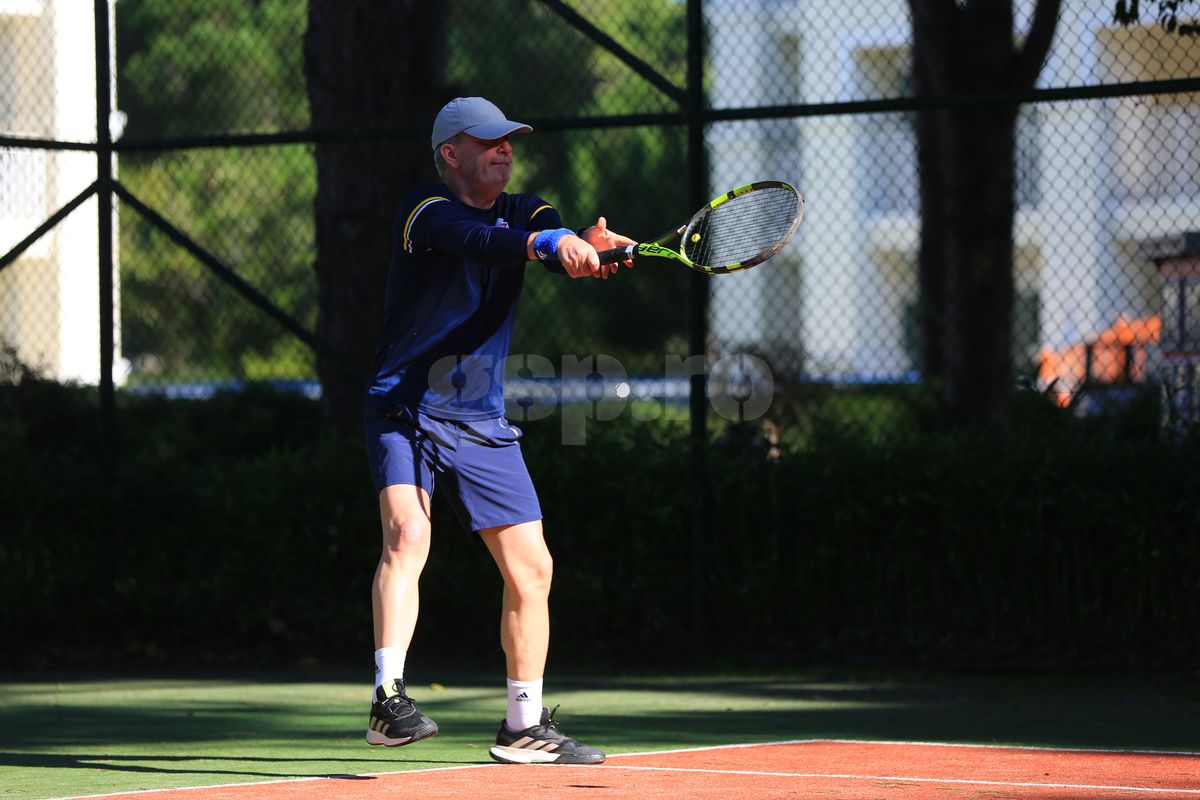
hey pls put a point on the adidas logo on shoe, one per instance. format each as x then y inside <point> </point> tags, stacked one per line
<point>543,743</point>
<point>522,697</point>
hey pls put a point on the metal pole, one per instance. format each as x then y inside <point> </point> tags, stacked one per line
<point>698,305</point>
<point>104,198</point>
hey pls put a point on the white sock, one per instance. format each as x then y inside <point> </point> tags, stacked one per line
<point>389,665</point>
<point>524,704</point>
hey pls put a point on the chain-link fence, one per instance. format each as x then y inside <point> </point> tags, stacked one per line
<point>49,303</point>
<point>217,168</point>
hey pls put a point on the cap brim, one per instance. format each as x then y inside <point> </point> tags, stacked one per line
<point>497,130</point>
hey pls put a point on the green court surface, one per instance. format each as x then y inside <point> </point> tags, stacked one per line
<point>61,737</point>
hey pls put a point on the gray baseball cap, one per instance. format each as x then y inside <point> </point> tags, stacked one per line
<point>476,116</point>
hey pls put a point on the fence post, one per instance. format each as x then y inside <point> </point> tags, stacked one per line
<point>698,327</point>
<point>104,205</point>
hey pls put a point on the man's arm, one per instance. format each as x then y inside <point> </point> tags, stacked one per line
<point>443,225</point>
<point>577,257</point>
<point>575,251</point>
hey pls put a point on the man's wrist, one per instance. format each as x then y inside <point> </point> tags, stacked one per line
<point>545,243</point>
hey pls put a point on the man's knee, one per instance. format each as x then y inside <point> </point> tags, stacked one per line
<point>405,538</point>
<point>534,577</point>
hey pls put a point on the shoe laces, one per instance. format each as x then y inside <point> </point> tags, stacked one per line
<point>551,725</point>
<point>390,703</point>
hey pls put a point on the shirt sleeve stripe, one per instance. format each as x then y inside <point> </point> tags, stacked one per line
<point>413,217</point>
<point>538,210</point>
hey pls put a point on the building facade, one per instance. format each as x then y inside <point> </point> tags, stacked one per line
<point>49,297</point>
<point>1095,180</point>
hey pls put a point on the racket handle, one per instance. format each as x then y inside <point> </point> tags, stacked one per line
<point>616,254</point>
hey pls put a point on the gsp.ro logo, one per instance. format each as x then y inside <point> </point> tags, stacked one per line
<point>740,387</point>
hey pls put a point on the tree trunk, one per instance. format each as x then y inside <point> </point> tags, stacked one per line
<point>370,67</point>
<point>931,36</point>
<point>978,187</point>
<point>966,156</point>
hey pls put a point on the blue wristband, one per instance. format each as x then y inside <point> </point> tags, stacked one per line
<point>545,244</point>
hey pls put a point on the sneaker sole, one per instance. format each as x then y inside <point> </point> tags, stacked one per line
<point>376,738</point>
<point>518,755</point>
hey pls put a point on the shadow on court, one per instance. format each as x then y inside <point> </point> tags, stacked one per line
<point>191,765</point>
<point>92,737</point>
<point>1085,711</point>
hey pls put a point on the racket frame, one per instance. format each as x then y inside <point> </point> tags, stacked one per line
<point>660,249</point>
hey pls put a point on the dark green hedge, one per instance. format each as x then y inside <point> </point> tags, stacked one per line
<point>237,532</point>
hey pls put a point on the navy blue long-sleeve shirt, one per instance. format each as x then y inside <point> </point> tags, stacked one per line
<point>453,288</point>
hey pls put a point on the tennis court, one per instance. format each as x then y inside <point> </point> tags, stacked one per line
<point>866,734</point>
<point>843,769</point>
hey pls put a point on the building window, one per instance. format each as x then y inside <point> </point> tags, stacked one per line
<point>23,189</point>
<point>888,142</point>
<point>1154,139</point>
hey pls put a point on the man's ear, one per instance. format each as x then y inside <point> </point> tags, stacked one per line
<point>449,154</point>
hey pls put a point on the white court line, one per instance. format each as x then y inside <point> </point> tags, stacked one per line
<point>907,779</point>
<point>268,783</point>
<point>191,788</point>
<point>1036,748</point>
<point>731,772</point>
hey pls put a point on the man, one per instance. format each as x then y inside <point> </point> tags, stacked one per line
<point>436,409</point>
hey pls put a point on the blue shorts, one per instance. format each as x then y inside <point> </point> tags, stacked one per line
<point>479,462</point>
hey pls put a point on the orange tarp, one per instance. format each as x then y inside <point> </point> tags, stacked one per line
<point>1118,354</point>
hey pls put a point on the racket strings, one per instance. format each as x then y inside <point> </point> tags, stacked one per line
<point>744,230</point>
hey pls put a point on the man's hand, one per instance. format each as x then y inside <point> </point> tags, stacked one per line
<point>579,258</point>
<point>601,238</point>
<point>578,255</point>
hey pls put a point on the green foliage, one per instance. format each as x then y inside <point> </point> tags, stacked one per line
<point>197,68</point>
<point>253,210</point>
<point>203,68</point>
<point>235,529</point>
<point>211,66</point>
<point>629,175</point>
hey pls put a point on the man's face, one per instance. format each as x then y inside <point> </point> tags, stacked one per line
<point>486,163</point>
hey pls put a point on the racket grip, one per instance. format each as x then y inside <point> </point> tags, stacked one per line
<point>616,254</point>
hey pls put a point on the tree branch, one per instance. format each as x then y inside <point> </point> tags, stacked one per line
<point>933,14</point>
<point>1032,57</point>
<point>933,29</point>
<point>1127,12</point>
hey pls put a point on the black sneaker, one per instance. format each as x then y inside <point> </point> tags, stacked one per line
<point>395,718</point>
<point>542,744</point>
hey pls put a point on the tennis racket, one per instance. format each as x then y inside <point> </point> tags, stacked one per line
<point>738,230</point>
